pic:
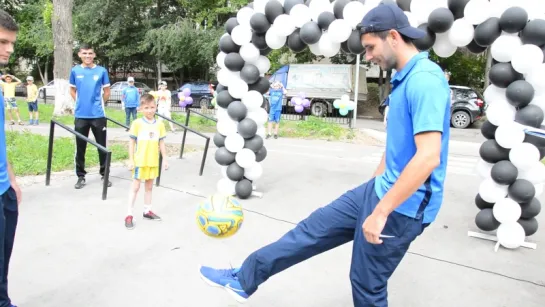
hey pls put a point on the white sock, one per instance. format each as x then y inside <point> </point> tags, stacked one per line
<point>130,210</point>
<point>147,209</point>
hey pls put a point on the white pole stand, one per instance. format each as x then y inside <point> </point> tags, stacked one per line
<point>256,193</point>
<point>488,237</point>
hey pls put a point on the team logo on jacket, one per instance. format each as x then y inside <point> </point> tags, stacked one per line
<point>95,77</point>
<point>151,135</point>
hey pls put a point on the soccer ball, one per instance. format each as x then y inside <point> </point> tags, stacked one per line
<point>219,216</point>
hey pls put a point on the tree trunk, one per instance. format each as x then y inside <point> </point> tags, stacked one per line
<point>63,44</point>
<point>487,68</point>
<point>40,71</point>
<point>46,72</point>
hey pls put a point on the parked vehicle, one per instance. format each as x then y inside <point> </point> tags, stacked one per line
<point>48,89</point>
<point>200,92</point>
<point>116,90</point>
<point>322,84</point>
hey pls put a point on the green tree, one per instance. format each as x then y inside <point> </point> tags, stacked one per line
<point>466,69</point>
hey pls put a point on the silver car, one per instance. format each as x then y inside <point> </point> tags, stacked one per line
<point>116,90</point>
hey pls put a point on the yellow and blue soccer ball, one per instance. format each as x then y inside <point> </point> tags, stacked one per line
<point>220,216</point>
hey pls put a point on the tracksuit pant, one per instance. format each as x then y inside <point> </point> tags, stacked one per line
<point>8,225</point>
<point>331,226</point>
<point>131,111</point>
<point>98,127</point>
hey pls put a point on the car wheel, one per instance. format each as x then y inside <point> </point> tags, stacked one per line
<point>319,109</point>
<point>42,95</point>
<point>460,119</point>
<point>204,103</point>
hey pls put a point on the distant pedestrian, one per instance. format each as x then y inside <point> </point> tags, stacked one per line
<point>276,96</point>
<point>164,103</point>
<point>130,100</point>
<point>32,101</point>
<point>7,84</point>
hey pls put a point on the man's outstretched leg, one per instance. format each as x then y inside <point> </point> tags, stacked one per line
<point>324,229</point>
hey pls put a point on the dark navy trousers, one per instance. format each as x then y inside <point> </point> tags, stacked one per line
<point>331,226</point>
<point>8,225</point>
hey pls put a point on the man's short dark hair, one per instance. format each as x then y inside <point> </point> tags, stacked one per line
<point>85,47</point>
<point>383,34</point>
<point>7,22</point>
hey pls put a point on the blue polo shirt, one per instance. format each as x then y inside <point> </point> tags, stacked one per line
<point>89,82</point>
<point>4,176</point>
<point>275,99</point>
<point>419,102</point>
<point>131,97</point>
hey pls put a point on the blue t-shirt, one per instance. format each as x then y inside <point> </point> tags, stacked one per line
<point>132,97</point>
<point>4,176</point>
<point>89,83</point>
<point>419,102</point>
<point>275,99</point>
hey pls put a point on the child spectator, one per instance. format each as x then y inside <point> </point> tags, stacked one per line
<point>276,95</point>
<point>8,87</point>
<point>32,101</point>
<point>130,100</point>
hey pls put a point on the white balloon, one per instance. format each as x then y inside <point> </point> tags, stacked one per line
<point>511,235</point>
<point>252,100</point>
<point>539,100</point>
<point>506,210</point>
<point>226,186</point>
<point>461,32</point>
<point>354,12</point>
<point>274,39</point>
<point>498,7</point>
<point>263,64</point>
<point>244,15</point>
<point>442,46</point>
<point>220,59</point>
<point>223,170</point>
<point>535,174</point>
<point>253,172</point>
<point>249,53</point>
<point>503,47</point>
<point>494,93</point>
<point>225,76</point>
<point>315,48</point>
<point>491,192</point>
<point>413,20</point>
<point>500,112</point>
<point>536,77</point>
<point>526,57</point>
<point>327,47</point>
<point>259,6</point>
<point>422,9</point>
<point>261,132</point>
<point>237,88</point>
<point>317,7</point>
<point>221,114</point>
<point>245,158</point>
<point>539,189</point>
<point>524,155</point>
<point>339,31</point>
<point>484,168</point>
<point>284,25</point>
<point>477,11</point>
<point>300,14</point>
<point>259,116</point>
<point>227,126</point>
<point>509,134</point>
<point>241,34</point>
<point>234,142</point>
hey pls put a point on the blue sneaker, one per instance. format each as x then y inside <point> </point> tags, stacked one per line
<point>225,279</point>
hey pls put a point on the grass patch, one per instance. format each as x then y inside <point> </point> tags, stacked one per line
<point>27,153</point>
<point>314,128</point>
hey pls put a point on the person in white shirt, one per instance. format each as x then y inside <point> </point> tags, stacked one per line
<point>164,102</point>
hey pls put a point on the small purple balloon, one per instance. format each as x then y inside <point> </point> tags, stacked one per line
<point>299,108</point>
<point>182,104</point>
<point>188,100</point>
<point>181,95</point>
<point>306,103</point>
<point>296,101</point>
<point>302,95</point>
<point>187,92</point>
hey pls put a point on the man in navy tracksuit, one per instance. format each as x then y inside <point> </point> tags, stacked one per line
<point>10,193</point>
<point>386,214</point>
<point>90,88</point>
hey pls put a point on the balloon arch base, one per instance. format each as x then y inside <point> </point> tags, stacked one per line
<point>490,237</point>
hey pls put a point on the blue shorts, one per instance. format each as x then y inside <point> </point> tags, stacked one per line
<point>32,106</point>
<point>274,116</point>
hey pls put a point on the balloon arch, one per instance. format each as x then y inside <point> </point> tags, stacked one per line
<point>510,165</point>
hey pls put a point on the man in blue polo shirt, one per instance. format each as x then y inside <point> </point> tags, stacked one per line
<point>10,193</point>
<point>90,88</point>
<point>386,214</point>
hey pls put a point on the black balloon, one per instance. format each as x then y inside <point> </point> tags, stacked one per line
<point>231,24</point>
<point>503,74</point>
<point>249,73</point>
<point>295,43</point>
<point>258,40</point>
<point>531,115</point>
<point>338,8</point>
<point>219,140</point>
<point>237,110</point>
<point>265,51</point>
<point>427,41</point>
<point>325,19</point>
<point>514,19</point>
<point>310,33</point>
<point>354,43</point>
<point>247,128</point>
<point>534,33</point>
<point>487,32</point>
<point>289,4</point>
<point>227,44</point>
<point>473,47</point>
<point>488,130</point>
<point>224,99</point>
<point>244,188</point>
<point>404,5</point>
<point>344,47</point>
<point>492,152</point>
<point>440,20</point>
<point>530,226</point>
<point>520,93</point>
<point>486,221</point>
<point>521,191</point>
<point>233,61</point>
<point>530,209</point>
<point>262,85</point>
<point>235,172</point>
<point>457,7</point>
<point>481,204</point>
<point>221,88</point>
<point>224,157</point>
<point>254,144</point>
<point>504,172</point>
<point>261,154</point>
<point>273,9</point>
<point>259,23</point>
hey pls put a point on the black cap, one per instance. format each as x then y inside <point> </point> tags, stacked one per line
<point>387,17</point>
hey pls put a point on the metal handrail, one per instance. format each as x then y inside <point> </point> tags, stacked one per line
<point>188,115</point>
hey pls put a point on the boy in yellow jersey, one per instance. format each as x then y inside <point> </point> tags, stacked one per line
<point>32,101</point>
<point>9,94</point>
<point>147,139</point>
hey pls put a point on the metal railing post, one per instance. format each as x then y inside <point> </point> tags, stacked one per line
<point>50,153</point>
<point>187,115</point>
<point>158,180</point>
<point>106,175</point>
<point>204,156</point>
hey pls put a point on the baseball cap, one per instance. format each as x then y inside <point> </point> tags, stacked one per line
<point>162,83</point>
<point>130,79</point>
<point>30,78</point>
<point>388,16</point>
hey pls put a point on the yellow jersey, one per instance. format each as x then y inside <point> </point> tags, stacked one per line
<point>31,92</point>
<point>147,135</point>
<point>9,89</point>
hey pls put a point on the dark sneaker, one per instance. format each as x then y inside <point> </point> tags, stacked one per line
<point>80,184</point>
<point>151,216</point>
<point>226,279</point>
<point>276,136</point>
<point>268,136</point>
<point>128,222</point>
<point>109,182</point>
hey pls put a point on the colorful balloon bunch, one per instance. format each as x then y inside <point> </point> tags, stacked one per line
<point>344,105</point>
<point>185,97</point>
<point>300,102</point>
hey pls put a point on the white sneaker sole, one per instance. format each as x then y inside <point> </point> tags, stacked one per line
<point>233,294</point>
